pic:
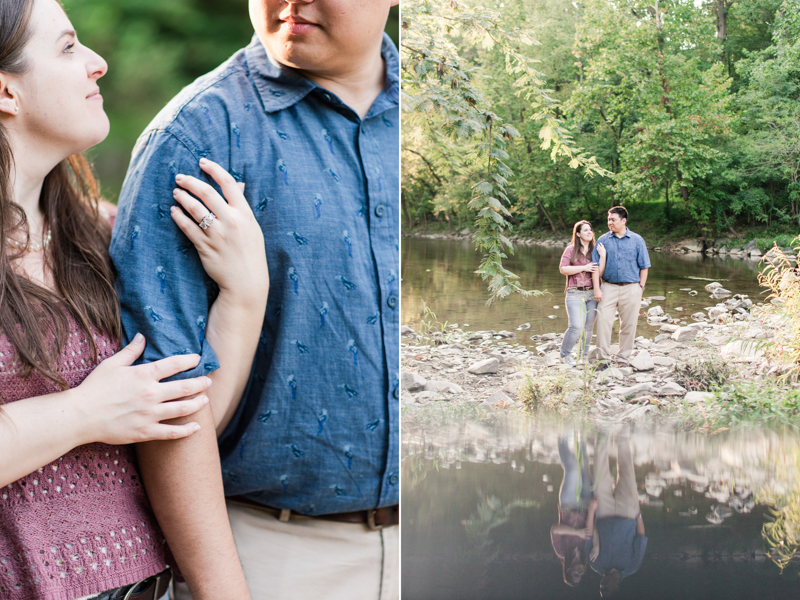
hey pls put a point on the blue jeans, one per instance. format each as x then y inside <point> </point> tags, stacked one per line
<point>582,311</point>
<point>576,487</point>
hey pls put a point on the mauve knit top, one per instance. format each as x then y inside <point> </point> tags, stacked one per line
<point>81,524</point>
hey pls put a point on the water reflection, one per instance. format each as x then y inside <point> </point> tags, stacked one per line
<point>516,507</point>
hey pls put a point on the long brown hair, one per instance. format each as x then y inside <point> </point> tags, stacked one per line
<point>35,319</point>
<point>577,244</point>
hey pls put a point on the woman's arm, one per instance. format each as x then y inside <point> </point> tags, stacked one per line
<point>116,404</point>
<point>233,255</point>
<point>566,530</point>
<point>574,270</point>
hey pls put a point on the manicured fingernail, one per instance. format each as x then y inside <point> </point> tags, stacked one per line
<point>203,161</point>
<point>196,428</point>
<point>138,338</point>
<point>210,381</point>
<point>205,400</point>
<point>178,177</point>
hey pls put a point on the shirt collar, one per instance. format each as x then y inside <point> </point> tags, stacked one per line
<point>627,231</point>
<point>281,87</point>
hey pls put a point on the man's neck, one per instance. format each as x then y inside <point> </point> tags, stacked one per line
<point>358,86</point>
<point>622,233</point>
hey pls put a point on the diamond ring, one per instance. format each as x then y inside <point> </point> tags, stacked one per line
<point>207,221</point>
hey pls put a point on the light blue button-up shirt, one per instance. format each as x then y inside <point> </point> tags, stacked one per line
<point>317,429</point>
<point>625,257</point>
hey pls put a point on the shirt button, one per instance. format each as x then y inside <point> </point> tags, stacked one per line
<point>393,479</point>
<point>327,97</point>
<point>392,301</point>
<point>379,210</point>
<point>396,393</point>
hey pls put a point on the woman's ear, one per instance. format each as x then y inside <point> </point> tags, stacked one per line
<point>9,104</point>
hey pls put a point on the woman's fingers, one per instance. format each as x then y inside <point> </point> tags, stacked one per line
<point>128,355</point>
<point>189,227</point>
<point>181,408</point>
<point>194,207</point>
<point>230,187</point>
<point>172,365</point>
<point>160,431</point>
<point>182,388</point>
<point>202,190</point>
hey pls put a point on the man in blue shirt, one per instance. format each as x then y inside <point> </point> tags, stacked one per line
<point>307,118</point>
<point>624,262</point>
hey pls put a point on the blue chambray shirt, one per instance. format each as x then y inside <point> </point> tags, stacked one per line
<point>317,429</point>
<point>625,256</point>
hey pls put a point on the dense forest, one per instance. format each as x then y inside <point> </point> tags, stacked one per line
<point>154,48</point>
<point>690,108</point>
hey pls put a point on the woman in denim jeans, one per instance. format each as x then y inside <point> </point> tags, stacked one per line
<point>578,267</point>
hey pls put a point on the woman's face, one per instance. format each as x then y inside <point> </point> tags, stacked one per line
<point>586,234</point>
<point>60,106</point>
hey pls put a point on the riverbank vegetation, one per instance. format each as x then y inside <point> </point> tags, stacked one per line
<point>690,109</point>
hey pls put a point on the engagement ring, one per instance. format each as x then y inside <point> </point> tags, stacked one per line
<point>207,221</point>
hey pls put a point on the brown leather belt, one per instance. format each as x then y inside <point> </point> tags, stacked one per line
<point>150,588</point>
<point>582,288</point>
<point>374,518</point>
<point>621,282</point>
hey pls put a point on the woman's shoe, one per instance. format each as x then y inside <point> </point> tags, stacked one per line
<point>568,360</point>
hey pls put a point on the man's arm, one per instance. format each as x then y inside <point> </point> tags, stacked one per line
<point>165,294</point>
<point>643,277</point>
<point>184,484</point>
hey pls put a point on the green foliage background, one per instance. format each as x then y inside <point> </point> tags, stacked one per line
<point>691,107</point>
<point>154,48</point>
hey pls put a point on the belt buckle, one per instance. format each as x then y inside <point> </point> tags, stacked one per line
<point>371,524</point>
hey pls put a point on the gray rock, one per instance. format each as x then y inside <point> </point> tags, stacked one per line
<point>712,286</point>
<point>720,292</point>
<point>661,337</point>
<point>464,231</point>
<point>663,361</point>
<point>692,246</point>
<point>549,336</point>
<point>411,381</point>
<point>489,365</point>
<point>507,335</point>
<point>514,387</point>
<point>427,396</point>
<point>499,396</point>
<point>443,386</point>
<point>658,298</point>
<point>643,342</point>
<point>684,334</point>
<point>693,397</point>
<point>545,348</point>
<point>667,328</point>
<point>656,311</point>
<point>698,316</point>
<point>672,389</point>
<point>406,330</point>
<point>634,390</point>
<point>717,311</point>
<point>743,349</point>
<point>643,362</point>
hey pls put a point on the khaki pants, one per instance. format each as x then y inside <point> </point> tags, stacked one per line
<point>622,499</point>
<point>308,558</point>
<point>627,300</point>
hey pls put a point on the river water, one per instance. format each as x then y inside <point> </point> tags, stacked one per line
<point>721,513</point>
<point>440,274</point>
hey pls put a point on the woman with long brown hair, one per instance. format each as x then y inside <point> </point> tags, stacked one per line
<point>75,522</point>
<point>576,264</point>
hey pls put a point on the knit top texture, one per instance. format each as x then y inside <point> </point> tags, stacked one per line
<point>81,524</point>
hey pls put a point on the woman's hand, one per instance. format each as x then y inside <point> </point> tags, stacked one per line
<point>595,552</point>
<point>122,404</point>
<point>231,248</point>
<point>591,267</point>
<point>598,294</point>
<point>601,250</point>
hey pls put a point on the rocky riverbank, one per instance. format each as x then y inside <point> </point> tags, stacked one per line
<point>492,370</point>
<point>723,247</point>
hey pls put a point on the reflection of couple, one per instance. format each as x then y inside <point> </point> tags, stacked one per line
<point>307,117</point>
<point>604,530</point>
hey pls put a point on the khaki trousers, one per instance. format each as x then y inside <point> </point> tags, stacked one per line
<point>622,499</point>
<point>308,558</point>
<point>627,300</point>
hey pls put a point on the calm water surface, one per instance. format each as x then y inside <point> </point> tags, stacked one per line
<point>441,275</point>
<point>721,512</point>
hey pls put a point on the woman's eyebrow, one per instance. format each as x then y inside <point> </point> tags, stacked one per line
<point>67,32</point>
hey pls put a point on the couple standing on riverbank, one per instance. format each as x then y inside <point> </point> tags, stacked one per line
<point>604,278</point>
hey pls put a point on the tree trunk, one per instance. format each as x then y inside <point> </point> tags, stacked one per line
<point>545,213</point>
<point>684,189</point>
<point>666,193</point>
<point>449,220</point>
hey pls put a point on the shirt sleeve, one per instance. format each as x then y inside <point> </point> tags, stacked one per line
<point>639,547</point>
<point>566,256</point>
<point>163,290</point>
<point>596,254</point>
<point>642,257</point>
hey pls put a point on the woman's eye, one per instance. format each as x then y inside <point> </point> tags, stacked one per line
<point>68,48</point>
